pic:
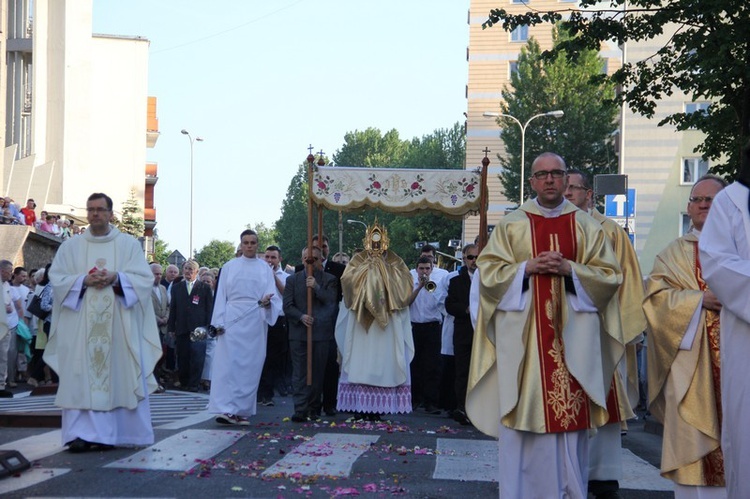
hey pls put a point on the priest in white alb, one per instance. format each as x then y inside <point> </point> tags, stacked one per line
<point>103,342</point>
<point>725,256</point>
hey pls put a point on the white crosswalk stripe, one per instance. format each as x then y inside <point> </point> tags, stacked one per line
<point>466,460</point>
<point>166,408</point>
<point>181,452</point>
<point>328,454</point>
<point>325,454</point>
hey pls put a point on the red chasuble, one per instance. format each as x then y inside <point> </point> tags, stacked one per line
<point>713,462</point>
<point>566,405</point>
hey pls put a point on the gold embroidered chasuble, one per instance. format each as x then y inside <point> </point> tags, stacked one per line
<point>632,318</point>
<point>373,287</point>
<point>684,390</point>
<point>521,375</point>
<point>101,350</point>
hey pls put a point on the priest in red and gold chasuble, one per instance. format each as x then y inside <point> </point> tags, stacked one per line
<point>547,336</point>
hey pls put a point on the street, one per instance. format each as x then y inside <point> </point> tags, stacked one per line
<point>414,455</point>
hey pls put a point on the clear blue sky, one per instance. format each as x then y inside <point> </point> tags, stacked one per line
<point>259,81</point>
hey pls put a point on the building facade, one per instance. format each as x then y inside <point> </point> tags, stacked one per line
<point>659,161</point>
<point>78,115</point>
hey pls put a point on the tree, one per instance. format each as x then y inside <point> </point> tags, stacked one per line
<point>215,254</point>
<point>132,223</point>
<point>266,236</point>
<point>161,252</point>
<point>706,57</point>
<point>582,136</point>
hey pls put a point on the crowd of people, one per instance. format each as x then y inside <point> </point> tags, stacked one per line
<point>61,227</point>
<point>536,339</point>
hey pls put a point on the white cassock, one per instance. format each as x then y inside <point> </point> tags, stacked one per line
<point>725,260</point>
<point>240,352</point>
<point>104,347</point>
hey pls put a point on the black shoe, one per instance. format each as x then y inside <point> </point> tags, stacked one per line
<point>372,417</point>
<point>431,409</point>
<point>314,415</point>
<point>461,417</point>
<point>331,411</point>
<point>5,394</point>
<point>80,445</point>
<point>299,417</point>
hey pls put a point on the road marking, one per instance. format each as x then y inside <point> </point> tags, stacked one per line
<point>466,460</point>
<point>639,474</point>
<point>37,446</point>
<point>180,452</point>
<point>167,408</point>
<point>329,454</point>
<point>28,478</point>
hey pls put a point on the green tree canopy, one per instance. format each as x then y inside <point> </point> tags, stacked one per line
<point>216,253</point>
<point>582,137</point>
<point>131,222</point>
<point>706,57</point>
<point>161,252</point>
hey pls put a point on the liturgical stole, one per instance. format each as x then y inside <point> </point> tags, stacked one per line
<point>566,405</point>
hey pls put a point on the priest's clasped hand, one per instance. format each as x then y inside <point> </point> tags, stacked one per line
<point>307,320</point>
<point>548,262</point>
<point>100,279</point>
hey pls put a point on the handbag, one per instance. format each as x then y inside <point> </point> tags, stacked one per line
<point>35,307</point>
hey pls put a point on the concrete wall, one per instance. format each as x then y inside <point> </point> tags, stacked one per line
<point>26,246</point>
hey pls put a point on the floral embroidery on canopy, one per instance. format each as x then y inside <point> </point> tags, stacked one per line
<point>398,190</point>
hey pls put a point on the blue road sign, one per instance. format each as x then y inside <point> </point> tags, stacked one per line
<point>620,206</point>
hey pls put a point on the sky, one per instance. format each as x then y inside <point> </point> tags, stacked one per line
<point>261,81</point>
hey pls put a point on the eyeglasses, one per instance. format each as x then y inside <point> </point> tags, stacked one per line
<point>577,187</point>
<point>542,174</point>
<point>700,199</point>
<point>471,257</point>
<point>97,210</point>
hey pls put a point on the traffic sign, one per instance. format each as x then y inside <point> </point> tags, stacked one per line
<point>617,205</point>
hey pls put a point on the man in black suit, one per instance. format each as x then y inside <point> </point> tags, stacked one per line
<point>457,305</point>
<point>307,398</point>
<point>190,307</point>
<point>331,381</point>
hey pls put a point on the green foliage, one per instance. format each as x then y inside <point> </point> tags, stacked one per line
<point>444,148</point>
<point>706,57</point>
<point>161,252</point>
<point>131,223</point>
<point>266,236</point>
<point>582,137</point>
<point>215,254</point>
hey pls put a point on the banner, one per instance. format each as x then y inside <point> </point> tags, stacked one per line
<point>454,193</point>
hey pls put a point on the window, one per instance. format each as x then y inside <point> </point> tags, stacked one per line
<point>694,107</point>
<point>520,34</point>
<point>693,169</point>
<point>684,224</point>
<point>512,68</point>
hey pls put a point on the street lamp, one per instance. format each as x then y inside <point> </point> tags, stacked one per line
<point>357,222</point>
<point>555,114</point>
<point>191,139</point>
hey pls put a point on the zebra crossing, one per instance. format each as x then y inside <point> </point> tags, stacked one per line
<point>169,410</point>
<point>324,454</point>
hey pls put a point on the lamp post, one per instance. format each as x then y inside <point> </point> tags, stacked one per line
<point>191,139</point>
<point>555,114</point>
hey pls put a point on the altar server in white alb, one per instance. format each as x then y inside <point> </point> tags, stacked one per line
<point>246,304</point>
<point>725,258</point>
<point>103,342</point>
